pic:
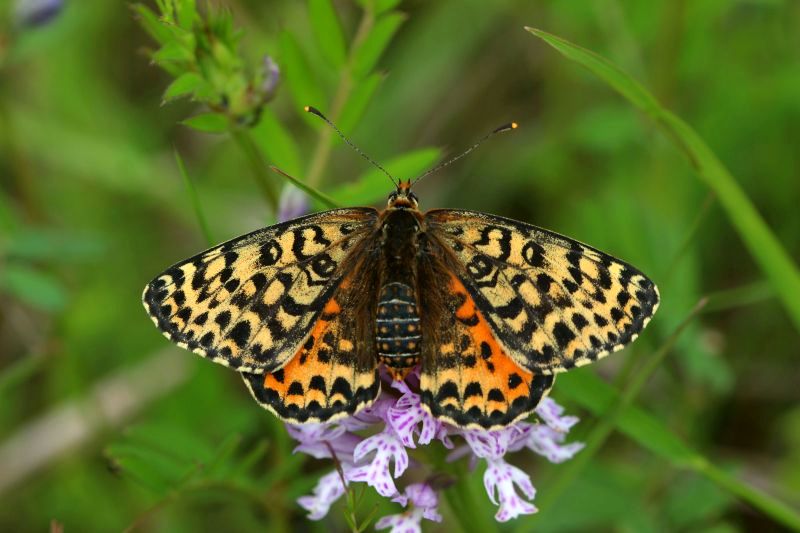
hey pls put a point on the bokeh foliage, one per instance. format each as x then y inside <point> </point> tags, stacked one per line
<point>93,203</point>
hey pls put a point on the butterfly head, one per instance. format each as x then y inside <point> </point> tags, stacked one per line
<point>402,197</point>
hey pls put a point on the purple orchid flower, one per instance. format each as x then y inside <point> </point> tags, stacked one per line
<point>423,502</point>
<point>293,203</point>
<point>397,422</point>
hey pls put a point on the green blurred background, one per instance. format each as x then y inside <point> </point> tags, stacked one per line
<point>105,426</point>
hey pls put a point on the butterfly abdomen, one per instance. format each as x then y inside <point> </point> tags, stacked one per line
<point>398,330</point>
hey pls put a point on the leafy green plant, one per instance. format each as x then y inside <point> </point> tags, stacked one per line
<point>696,435</point>
<point>200,48</point>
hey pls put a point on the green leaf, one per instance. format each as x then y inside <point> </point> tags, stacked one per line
<point>301,81</point>
<point>367,55</point>
<point>378,6</point>
<point>173,51</point>
<point>359,99</point>
<point>276,142</point>
<point>187,14</point>
<point>185,84</point>
<point>765,248</point>
<point>327,31</point>
<point>31,286</point>
<point>384,5</point>
<point>373,185</point>
<point>152,24</point>
<point>208,122</point>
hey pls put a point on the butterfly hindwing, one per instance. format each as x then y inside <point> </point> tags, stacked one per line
<point>335,373</point>
<point>466,376</point>
<point>251,302</point>
<point>551,302</point>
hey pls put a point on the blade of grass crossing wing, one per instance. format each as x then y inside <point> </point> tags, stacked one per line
<point>765,248</point>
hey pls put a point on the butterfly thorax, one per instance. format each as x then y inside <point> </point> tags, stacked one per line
<point>398,334</point>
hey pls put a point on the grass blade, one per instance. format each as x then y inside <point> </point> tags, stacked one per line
<point>759,239</point>
<point>192,192</point>
<point>311,191</point>
<point>597,396</point>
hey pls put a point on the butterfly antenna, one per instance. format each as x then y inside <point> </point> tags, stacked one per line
<point>315,111</point>
<point>505,127</point>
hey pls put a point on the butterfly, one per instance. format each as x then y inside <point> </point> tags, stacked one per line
<point>488,308</point>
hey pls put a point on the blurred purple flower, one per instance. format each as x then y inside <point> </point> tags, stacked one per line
<point>272,78</point>
<point>424,503</point>
<point>397,422</point>
<point>32,13</point>
<point>293,203</point>
<point>328,490</point>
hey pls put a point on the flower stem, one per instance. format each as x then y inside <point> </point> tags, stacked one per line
<point>322,152</point>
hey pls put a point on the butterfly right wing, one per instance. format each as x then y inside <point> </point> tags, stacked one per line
<point>467,377</point>
<point>250,303</point>
<point>552,302</point>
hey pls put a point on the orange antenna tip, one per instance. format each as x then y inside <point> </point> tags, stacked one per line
<point>314,111</point>
<point>505,127</point>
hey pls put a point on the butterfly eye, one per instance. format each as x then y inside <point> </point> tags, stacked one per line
<point>413,197</point>
<point>392,198</point>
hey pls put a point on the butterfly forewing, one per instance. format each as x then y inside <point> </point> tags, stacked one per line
<point>251,302</point>
<point>551,302</point>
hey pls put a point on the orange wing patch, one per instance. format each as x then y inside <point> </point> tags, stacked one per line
<point>468,379</point>
<point>325,380</point>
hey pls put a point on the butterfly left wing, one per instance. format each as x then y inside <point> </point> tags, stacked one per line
<point>552,303</point>
<point>334,374</point>
<point>250,303</point>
